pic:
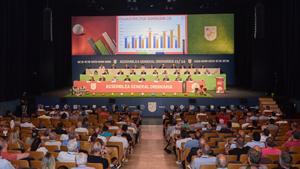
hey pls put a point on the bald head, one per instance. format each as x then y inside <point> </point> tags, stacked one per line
<point>221,161</point>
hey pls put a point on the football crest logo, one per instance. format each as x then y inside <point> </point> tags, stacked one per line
<point>93,86</point>
<point>210,33</point>
<point>152,106</point>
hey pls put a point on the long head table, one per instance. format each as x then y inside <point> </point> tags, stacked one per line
<point>210,80</point>
<point>91,72</point>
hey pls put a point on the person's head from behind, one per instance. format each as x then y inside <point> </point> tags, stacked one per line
<point>48,161</point>
<point>206,149</point>
<point>124,128</point>
<point>81,159</point>
<point>254,156</point>
<point>256,136</point>
<point>272,121</point>
<point>52,136</point>
<point>202,141</point>
<point>240,142</point>
<point>79,124</point>
<point>60,125</point>
<point>72,146</point>
<point>221,161</point>
<point>104,128</point>
<point>266,132</point>
<point>96,148</point>
<point>285,159</point>
<point>3,145</point>
<point>35,144</point>
<point>296,135</point>
<point>270,142</point>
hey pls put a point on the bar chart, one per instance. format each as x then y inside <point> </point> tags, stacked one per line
<point>151,34</point>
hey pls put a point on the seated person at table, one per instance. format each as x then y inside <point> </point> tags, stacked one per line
<point>127,79</point>
<point>143,72</point>
<point>120,72</point>
<point>182,66</point>
<point>165,72</point>
<point>189,78</point>
<point>177,72</point>
<point>142,79</point>
<point>113,66</point>
<point>105,72</point>
<point>162,66</point>
<point>126,66</point>
<point>92,78</point>
<point>102,78</point>
<point>173,66</point>
<point>155,72</point>
<point>197,72</point>
<point>157,78</point>
<point>207,72</point>
<point>201,90</point>
<point>166,78</point>
<point>191,66</point>
<point>187,72</point>
<point>178,78</point>
<point>132,72</point>
<point>95,72</point>
<point>101,67</point>
<point>114,79</point>
<point>143,66</point>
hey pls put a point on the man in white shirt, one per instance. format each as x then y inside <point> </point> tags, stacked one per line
<point>204,159</point>
<point>81,129</point>
<point>71,154</point>
<point>53,140</point>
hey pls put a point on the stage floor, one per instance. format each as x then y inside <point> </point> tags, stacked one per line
<point>231,92</point>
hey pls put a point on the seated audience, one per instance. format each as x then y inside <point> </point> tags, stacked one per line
<point>272,127</point>
<point>285,161</point>
<point>203,158</point>
<point>255,141</point>
<point>81,129</point>
<point>294,140</point>
<point>8,155</point>
<point>53,140</point>
<point>81,161</point>
<point>254,158</point>
<point>270,148</point>
<point>264,135</point>
<point>97,155</point>
<point>221,161</point>
<point>70,155</point>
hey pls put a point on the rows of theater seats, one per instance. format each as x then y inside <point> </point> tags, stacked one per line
<point>25,133</point>
<point>217,140</point>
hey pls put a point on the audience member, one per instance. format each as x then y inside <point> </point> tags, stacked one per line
<point>70,155</point>
<point>254,157</point>
<point>270,148</point>
<point>81,161</point>
<point>203,159</point>
<point>255,141</point>
<point>48,162</point>
<point>221,161</point>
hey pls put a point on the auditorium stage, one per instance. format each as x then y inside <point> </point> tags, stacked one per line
<point>152,105</point>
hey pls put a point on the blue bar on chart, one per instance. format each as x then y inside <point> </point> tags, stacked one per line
<point>132,41</point>
<point>161,42</point>
<point>154,41</point>
<point>175,43</point>
<point>169,42</point>
<point>140,41</point>
<point>126,42</point>
<point>147,43</point>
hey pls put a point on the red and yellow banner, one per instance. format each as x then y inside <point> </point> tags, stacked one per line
<point>128,87</point>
